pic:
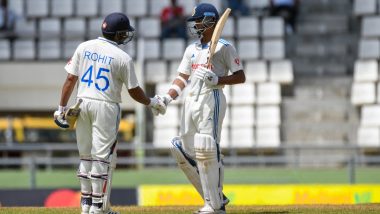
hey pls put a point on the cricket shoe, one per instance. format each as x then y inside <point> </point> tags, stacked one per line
<point>85,205</point>
<point>223,208</point>
<point>207,209</point>
<point>96,209</point>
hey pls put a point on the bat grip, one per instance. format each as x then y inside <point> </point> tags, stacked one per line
<point>199,90</point>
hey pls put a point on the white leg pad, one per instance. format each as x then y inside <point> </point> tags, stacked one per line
<point>85,183</point>
<point>187,164</point>
<point>99,176</point>
<point>209,169</point>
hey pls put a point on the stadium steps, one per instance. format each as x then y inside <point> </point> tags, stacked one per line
<point>323,43</point>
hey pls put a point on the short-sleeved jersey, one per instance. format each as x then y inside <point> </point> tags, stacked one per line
<point>225,59</point>
<point>102,69</point>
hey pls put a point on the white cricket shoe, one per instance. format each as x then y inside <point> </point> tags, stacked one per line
<point>97,210</point>
<point>207,209</point>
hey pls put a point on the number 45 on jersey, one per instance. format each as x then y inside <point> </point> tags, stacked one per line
<point>87,78</point>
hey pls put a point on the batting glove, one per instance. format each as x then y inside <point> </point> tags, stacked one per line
<point>165,98</point>
<point>157,106</point>
<point>59,117</point>
<point>205,74</point>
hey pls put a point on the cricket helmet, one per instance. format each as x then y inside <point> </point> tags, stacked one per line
<point>118,23</point>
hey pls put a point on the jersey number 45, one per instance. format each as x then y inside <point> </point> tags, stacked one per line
<point>87,77</point>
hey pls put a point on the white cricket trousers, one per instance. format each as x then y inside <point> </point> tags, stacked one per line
<point>97,128</point>
<point>204,116</point>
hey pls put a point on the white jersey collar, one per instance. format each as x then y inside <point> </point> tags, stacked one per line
<point>107,40</point>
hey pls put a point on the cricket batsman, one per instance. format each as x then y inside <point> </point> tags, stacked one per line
<point>197,150</point>
<point>101,68</point>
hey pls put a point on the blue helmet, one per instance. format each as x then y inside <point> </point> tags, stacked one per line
<point>203,10</point>
<point>206,16</point>
<point>118,24</point>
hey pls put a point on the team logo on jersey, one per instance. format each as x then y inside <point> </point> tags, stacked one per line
<point>237,61</point>
<point>104,25</point>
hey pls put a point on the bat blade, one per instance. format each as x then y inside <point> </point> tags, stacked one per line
<point>214,42</point>
<point>72,114</point>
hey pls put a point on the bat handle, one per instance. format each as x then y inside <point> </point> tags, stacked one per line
<point>78,103</point>
<point>199,90</point>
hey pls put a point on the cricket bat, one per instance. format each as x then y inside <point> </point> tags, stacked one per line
<point>70,117</point>
<point>72,114</point>
<point>214,41</point>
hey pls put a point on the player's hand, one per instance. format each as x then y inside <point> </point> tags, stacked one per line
<point>205,74</point>
<point>165,98</point>
<point>157,106</point>
<point>59,117</point>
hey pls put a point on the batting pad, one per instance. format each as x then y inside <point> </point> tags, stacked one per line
<point>209,169</point>
<point>99,176</point>
<point>187,164</point>
<point>84,176</point>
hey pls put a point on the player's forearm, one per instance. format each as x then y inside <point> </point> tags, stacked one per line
<point>139,95</point>
<point>67,89</point>
<point>179,83</point>
<point>236,78</point>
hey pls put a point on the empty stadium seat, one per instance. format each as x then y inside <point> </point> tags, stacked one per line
<point>37,8</point>
<point>50,28</point>
<point>370,26</point>
<point>247,27</point>
<point>229,28</point>
<point>268,116</point>
<point>74,28</point>
<point>86,7</point>
<point>49,49</point>
<point>273,49</point>
<point>110,6</point>
<point>281,71</point>
<point>242,137</point>
<point>173,48</point>
<point>62,8</point>
<point>162,137</point>
<point>152,49</point>
<point>363,93</point>
<point>256,71</point>
<point>272,27</point>
<point>5,49</point>
<point>94,28</point>
<point>258,4</point>
<point>243,93</point>
<point>368,136</point>
<point>170,119</point>
<point>136,8</point>
<point>188,6</point>
<point>366,71</point>
<point>370,115</point>
<point>26,28</point>
<point>369,49</point>
<point>268,137</point>
<point>24,49</point>
<point>248,49</point>
<point>69,47</point>
<point>155,71</point>
<point>17,6</point>
<point>157,6</point>
<point>268,93</point>
<point>242,116</point>
<point>364,7</point>
<point>149,27</point>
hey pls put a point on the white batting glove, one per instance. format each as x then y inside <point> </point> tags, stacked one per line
<point>157,106</point>
<point>165,98</point>
<point>59,117</point>
<point>205,74</point>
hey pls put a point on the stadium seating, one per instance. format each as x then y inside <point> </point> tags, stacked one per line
<point>52,29</point>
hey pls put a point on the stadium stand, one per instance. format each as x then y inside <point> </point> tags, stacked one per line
<point>52,29</point>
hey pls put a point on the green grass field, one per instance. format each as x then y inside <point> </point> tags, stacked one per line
<point>312,209</point>
<point>133,178</point>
